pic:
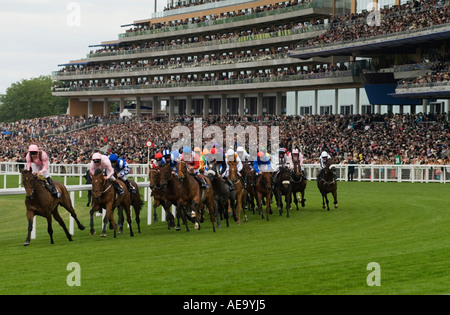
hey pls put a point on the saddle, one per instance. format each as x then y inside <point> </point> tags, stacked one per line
<point>42,181</point>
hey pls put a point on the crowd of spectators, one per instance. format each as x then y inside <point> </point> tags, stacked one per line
<point>399,18</point>
<point>210,18</point>
<point>367,139</point>
<point>438,72</point>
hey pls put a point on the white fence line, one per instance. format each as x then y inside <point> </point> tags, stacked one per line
<point>73,188</point>
<point>363,172</point>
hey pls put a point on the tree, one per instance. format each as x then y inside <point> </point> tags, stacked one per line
<point>31,98</point>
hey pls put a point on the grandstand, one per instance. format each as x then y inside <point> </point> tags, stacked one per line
<point>262,57</point>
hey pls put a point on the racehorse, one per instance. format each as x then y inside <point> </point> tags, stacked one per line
<point>298,183</point>
<point>104,196</point>
<point>39,201</point>
<point>239,189</point>
<point>196,195</point>
<point>248,175</point>
<point>327,184</point>
<point>224,198</point>
<point>283,187</point>
<point>137,204</point>
<point>159,197</point>
<point>174,195</point>
<point>264,189</point>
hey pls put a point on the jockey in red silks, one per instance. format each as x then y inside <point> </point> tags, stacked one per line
<point>37,163</point>
<point>102,162</point>
<point>192,161</point>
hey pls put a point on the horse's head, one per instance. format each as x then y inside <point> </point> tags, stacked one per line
<point>153,175</point>
<point>265,181</point>
<point>297,168</point>
<point>181,170</point>
<point>164,176</point>
<point>233,173</point>
<point>29,183</point>
<point>98,181</point>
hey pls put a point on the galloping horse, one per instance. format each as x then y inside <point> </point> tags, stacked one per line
<point>283,187</point>
<point>159,197</point>
<point>39,201</point>
<point>249,196</point>
<point>239,188</point>
<point>224,198</point>
<point>264,189</point>
<point>327,184</point>
<point>298,183</point>
<point>197,196</point>
<point>104,196</point>
<point>174,195</point>
<point>137,204</point>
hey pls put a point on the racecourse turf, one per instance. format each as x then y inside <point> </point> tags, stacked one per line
<point>403,227</point>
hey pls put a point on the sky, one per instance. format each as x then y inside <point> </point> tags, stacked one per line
<point>38,35</point>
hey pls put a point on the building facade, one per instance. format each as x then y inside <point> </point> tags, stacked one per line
<point>232,57</point>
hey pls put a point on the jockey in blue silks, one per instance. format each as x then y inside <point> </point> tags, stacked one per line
<point>261,164</point>
<point>122,170</point>
<point>168,159</point>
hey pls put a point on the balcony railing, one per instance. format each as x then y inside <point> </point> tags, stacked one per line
<point>256,80</point>
<point>235,19</point>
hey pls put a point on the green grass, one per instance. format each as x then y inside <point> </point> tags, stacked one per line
<point>403,227</point>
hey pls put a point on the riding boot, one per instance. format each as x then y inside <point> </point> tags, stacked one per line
<point>118,188</point>
<point>131,188</point>
<point>229,183</point>
<point>203,182</point>
<point>55,193</point>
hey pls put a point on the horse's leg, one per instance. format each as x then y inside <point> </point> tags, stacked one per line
<point>239,207</point>
<point>128,213</point>
<point>67,204</point>
<point>303,196</point>
<point>210,204</point>
<point>268,205</point>
<point>121,219</point>
<point>259,201</point>
<point>279,201</point>
<point>49,227</point>
<point>137,214</point>
<point>326,199</point>
<point>61,222</point>
<point>30,217</point>
<point>91,214</point>
<point>335,199</point>
<point>294,197</point>
<point>287,198</point>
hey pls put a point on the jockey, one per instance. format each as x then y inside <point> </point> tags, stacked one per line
<point>298,156</point>
<point>231,156</point>
<point>101,162</point>
<point>157,161</point>
<point>261,164</point>
<point>167,160</point>
<point>324,157</point>
<point>244,156</point>
<point>122,170</point>
<point>203,159</point>
<point>37,162</point>
<point>284,160</point>
<point>192,161</point>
